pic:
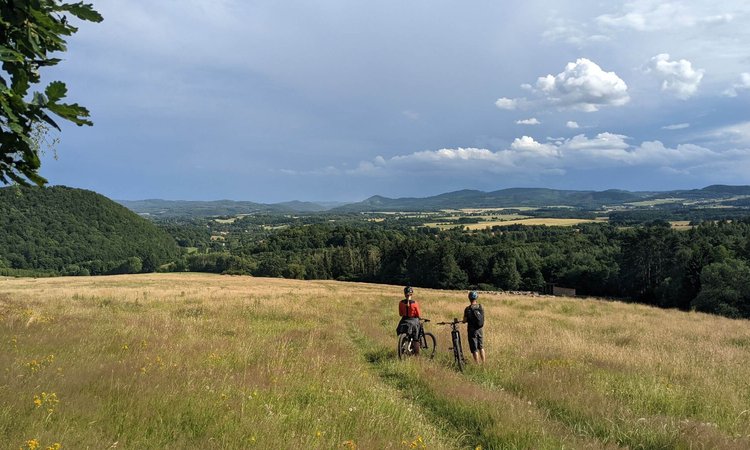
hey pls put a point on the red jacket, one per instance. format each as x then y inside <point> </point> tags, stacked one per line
<point>409,309</point>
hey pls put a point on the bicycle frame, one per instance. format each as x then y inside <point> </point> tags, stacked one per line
<point>458,353</point>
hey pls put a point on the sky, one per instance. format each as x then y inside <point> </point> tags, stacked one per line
<point>339,100</point>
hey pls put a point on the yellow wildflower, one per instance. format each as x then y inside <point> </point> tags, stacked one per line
<point>48,400</point>
<point>417,443</point>
<point>32,444</point>
<point>55,446</point>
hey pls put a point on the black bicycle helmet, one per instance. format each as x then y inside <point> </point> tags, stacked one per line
<point>473,295</point>
<point>408,290</point>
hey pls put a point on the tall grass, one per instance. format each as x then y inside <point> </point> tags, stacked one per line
<point>207,361</point>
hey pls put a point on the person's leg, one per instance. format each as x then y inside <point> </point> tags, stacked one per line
<point>480,344</point>
<point>472,335</point>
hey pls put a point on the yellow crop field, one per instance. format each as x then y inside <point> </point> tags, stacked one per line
<point>681,224</point>
<point>210,361</point>
<point>548,221</point>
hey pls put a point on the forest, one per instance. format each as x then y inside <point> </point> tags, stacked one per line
<point>705,267</point>
<point>65,231</point>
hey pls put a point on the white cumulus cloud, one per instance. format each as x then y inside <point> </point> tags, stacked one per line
<point>507,103</point>
<point>525,155</point>
<point>527,145</point>
<point>531,121</point>
<point>742,85</point>
<point>572,125</point>
<point>677,77</point>
<point>583,85</point>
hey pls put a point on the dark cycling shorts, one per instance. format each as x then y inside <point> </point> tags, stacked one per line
<point>476,339</point>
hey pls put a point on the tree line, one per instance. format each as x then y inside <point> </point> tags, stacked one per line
<point>706,268</point>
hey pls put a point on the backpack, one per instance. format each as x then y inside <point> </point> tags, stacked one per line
<point>476,317</point>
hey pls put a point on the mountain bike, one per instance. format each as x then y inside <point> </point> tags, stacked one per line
<point>458,352</point>
<point>407,343</point>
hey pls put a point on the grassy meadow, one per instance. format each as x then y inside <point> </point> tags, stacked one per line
<point>209,361</point>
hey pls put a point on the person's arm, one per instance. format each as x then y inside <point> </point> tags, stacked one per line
<point>416,308</point>
<point>465,319</point>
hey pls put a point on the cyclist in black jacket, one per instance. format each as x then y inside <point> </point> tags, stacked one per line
<point>474,318</point>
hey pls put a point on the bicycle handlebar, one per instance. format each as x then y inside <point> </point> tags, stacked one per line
<point>455,322</point>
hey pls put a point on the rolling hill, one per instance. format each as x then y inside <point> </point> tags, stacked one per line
<point>536,197</point>
<point>467,198</point>
<point>66,230</point>
<point>513,197</point>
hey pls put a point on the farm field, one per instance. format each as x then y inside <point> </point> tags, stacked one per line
<point>660,201</point>
<point>548,221</point>
<point>209,361</point>
<point>516,220</point>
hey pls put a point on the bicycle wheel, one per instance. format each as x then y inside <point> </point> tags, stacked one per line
<point>404,346</point>
<point>429,345</point>
<point>458,352</point>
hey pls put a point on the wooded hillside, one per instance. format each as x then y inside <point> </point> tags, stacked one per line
<point>73,231</point>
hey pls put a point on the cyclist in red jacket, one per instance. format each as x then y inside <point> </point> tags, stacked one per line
<point>409,311</point>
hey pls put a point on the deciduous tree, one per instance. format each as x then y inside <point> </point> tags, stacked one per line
<point>31,31</point>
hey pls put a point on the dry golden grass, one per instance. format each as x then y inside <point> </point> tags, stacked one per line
<point>206,361</point>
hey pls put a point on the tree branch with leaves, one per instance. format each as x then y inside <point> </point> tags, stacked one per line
<point>31,31</point>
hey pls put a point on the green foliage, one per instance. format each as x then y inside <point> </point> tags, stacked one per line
<point>218,263</point>
<point>30,32</point>
<point>74,232</point>
<point>725,289</point>
<point>505,274</point>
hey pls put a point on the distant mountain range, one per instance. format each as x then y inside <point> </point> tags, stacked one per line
<point>535,197</point>
<point>504,198</point>
<point>190,208</point>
